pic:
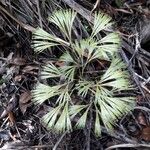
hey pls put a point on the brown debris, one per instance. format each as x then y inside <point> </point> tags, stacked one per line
<point>24,101</point>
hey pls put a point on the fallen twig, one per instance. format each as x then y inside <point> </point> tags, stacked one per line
<point>119,136</point>
<point>25,26</point>
<point>80,9</point>
<point>128,146</point>
<point>60,139</point>
<point>132,72</point>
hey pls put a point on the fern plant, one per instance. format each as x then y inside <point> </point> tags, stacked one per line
<point>90,78</point>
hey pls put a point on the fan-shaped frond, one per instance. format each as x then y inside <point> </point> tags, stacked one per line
<point>64,96</point>
<point>51,117</point>
<point>113,108</point>
<point>66,57</point>
<point>82,120</point>
<point>64,20</point>
<point>63,123</point>
<point>79,47</point>
<point>68,72</point>
<point>97,128</point>
<point>90,49</point>
<point>50,71</point>
<point>108,49</point>
<point>101,91</point>
<point>101,22</point>
<point>115,76</point>
<point>110,38</point>
<point>58,118</point>
<point>44,92</point>
<point>85,47</point>
<point>109,108</point>
<point>83,87</point>
<point>75,109</point>
<point>43,40</point>
<point>116,65</point>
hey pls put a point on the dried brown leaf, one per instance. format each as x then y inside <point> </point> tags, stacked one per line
<point>18,61</point>
<point>141,119</point>
<point>30,69</point>
<point>145,135</point>
<point>18,78</point>
<point>24,101</point>
<point>11,118</point>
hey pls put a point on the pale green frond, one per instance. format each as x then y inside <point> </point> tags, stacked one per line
<point>63,123</point>
<point>101,22</point>
<point>119,83</point>
<point>75,109</point>
<point>39,46</point>
<point>66,57</point>
<point>114,70</point>
<point>68,72</point>
<point>64,96</point>
<point>79,47</point>
<point>115,76</point>
<point>40,34</point>
<point>97,128</point>
<point>85,47</point>
<point>82,120</point>
<point>64,20</point>
<point>43,40</point>
<point>110,38</point>
<point>102,92</point>
<point>51,117</point>
<point>99,54</point>
<point>92,49</point>
<point>50,71</point>
<point>58,118</point>
<point>43,92</point>
<point>107,115</point>
<point>83,87</point>
<point>123,104</point>
<point>112,108</point>
<point>110,49</point>
<point>128,99</point>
